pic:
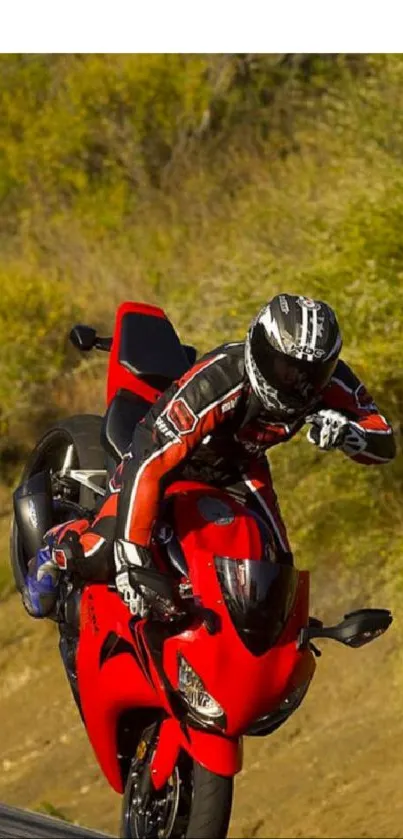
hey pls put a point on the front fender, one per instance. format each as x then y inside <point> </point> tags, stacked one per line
<point>218,754</point>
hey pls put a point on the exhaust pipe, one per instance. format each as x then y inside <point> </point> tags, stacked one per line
<point>33,511</point>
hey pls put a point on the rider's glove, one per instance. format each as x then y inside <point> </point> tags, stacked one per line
<point>127,555</point>
<point>328,430</point>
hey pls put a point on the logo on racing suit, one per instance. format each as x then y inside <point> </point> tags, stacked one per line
<point>259,435</point>
<point>163,427</point>
<point>182,417</point>
<point>226,406</point>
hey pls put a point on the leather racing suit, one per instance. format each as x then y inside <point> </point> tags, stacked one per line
<point>209,426</point>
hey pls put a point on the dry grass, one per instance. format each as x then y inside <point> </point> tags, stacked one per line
<point>296,185</point>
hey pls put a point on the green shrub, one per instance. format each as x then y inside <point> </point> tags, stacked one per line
<point>206,184</point>
<point>34,313</point>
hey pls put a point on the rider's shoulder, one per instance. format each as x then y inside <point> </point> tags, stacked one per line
<point>231,356</point>
<point>344,376</point>
<point>222,367</point>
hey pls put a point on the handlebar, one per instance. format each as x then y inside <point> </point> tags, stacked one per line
<point>104,344</point>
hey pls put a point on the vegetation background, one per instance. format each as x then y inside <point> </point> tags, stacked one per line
<point>203,183</point>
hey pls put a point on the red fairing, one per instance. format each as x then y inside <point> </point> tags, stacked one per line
<point>109,682</point>
<point>118,375</point>
<point>119,668</point>
<point>245,685</point>
<point>221,755</point>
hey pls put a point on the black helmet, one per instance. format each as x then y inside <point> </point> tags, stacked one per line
<point>291,351</point>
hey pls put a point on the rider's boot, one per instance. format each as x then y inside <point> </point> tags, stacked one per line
<point>40,591</point>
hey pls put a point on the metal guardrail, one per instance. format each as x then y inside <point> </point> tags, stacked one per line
<point>23,824</point>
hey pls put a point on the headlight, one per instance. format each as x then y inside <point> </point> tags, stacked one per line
<point>193,690</point>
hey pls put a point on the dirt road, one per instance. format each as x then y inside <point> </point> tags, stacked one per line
<point>335,770</point>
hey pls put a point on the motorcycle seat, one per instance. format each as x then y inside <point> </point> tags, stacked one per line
<point>121,418</point>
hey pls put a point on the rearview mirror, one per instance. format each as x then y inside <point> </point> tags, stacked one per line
<point>361,627</point>
<point>357,628</point>
<point>83,337</point>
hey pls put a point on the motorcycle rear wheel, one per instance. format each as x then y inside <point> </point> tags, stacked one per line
<point>194,804</point>
<point>83,433</point>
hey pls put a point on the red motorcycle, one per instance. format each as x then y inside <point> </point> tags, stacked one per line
<point>166,700</point>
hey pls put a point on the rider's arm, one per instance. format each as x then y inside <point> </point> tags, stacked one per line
<point>191,410</point>
<point>370,438</point>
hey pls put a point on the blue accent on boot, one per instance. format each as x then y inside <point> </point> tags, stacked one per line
<point>40,596</point>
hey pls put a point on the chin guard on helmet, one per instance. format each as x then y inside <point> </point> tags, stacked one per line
<point>268,396</point>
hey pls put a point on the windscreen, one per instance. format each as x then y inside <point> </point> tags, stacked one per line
<point>259,596</point>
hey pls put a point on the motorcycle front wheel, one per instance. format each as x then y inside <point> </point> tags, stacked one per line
<point>194,804</point>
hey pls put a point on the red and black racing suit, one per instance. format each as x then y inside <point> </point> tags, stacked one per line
<point>209,426</point>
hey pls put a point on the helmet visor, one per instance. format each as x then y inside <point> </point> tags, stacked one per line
<point>298,381</point>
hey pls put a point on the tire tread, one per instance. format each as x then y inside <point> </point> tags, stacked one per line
<point>211,807</point>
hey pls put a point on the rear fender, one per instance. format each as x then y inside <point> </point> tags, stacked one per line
<point>119,377</point>
<point>171,360</point>
<point>218,754</point>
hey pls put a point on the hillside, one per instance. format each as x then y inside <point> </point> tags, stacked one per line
<point>206,184</point>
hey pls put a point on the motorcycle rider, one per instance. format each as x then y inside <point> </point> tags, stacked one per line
<point>215,424</point>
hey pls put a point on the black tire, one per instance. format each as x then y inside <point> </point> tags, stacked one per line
<point>83,431</point>
<point>202,810</point>
<point>211,806</point>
